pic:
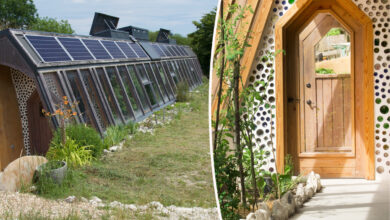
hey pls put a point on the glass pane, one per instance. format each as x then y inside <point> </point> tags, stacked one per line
<point>139,89</point>
<point>172,75</point>
<point>333,52</point>
<point>54,87</point>
<point>142,74</point>
<point>111,72</point>
<point>165,80</point>
<point>77,92</point>
<point>149,91</point>
<point>109,96</point>
<point>127,84</point>
<point>96,102</point>
<point>154,84</point>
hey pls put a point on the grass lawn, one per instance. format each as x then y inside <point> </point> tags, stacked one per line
<point>172,166</point>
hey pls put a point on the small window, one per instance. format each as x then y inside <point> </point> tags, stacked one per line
<point>156,88</point>
<point>147,85</point>
<point>132,96</point>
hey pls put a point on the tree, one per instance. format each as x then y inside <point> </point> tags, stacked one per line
<point>202,40</point>
<point>17,13</point>
<point>52,25</point>
<point>180,39</point>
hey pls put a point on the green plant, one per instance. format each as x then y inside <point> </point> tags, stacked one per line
<point>182,92</point>
<point>71,152</point>
<point>83,135</point>
<point>324,71</point>
<point>114,135</point>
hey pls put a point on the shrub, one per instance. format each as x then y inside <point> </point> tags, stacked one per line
<point>182,92</point>
<point>72,153</point>
<point>114,135</point>
<point>83,135</point>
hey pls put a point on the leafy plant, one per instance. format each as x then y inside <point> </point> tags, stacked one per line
<point>83,135</point>
<point>114,135</point>
<point>71,152</point>
<point>324,71</point>
<point>182,92</point>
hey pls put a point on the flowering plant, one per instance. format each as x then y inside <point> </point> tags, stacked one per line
<point>65,111</point>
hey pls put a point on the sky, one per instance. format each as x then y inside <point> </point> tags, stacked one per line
<point>174,15</point>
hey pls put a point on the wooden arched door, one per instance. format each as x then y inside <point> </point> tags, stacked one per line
<point>39,126</point>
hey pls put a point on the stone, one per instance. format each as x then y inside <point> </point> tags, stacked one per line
<point>301,192</point>
<point>83,199</point>
<point>131,207</point>
<point>116,204</point>
<point>263,213</point>
<point>319,185</point>
<point>70,199</point>
<point>105,151</point>
<point>288,200</point>
<point>299,200</point>
<point>312,181</point>
<point>95,201</point>
<point>279,211</point>
<point>309,191</point>
<point>155,205</point>
<point>114,148</point>
<point>251,216</point>
<point>20,172</point>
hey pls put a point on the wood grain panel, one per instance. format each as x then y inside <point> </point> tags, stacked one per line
<point>320,113</point>
<point>326,172</point>
<point>11,137</point>
<point>337,113</point>
<point>347,113</point>
<point>328,113</point>
<point>327,162</point>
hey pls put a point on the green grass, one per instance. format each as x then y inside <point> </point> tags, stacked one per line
<point>172,166</point>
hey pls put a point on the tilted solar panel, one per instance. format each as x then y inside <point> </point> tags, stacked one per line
<point>166,51</point>
<point>184,52</point>
<point>137,48</point>
<point>75,48</point>
<point>127,50</point>
<point>97,49</point>
<point>172,51</point>
<point>48,48</point>
<point>158,50</point>
<point>113,49</point>
<point>176,51</point>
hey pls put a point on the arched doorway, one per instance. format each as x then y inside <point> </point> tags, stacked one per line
<point>324,118</point>
<point>11,136</point>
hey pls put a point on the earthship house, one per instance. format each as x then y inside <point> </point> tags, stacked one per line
<point>116,75</point>
<point>331,88</point>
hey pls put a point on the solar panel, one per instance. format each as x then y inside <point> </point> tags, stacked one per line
<point>113,49</point>
<point>184,52</point>
<point>176,51</point>
<point>75,48</point>
<point>48,48</point>
<point>158,50</point>
<point>172,51</point>
<point>97,49</point>
<point>137,48</point>
<point>127,50</point>
<point>166,51</point>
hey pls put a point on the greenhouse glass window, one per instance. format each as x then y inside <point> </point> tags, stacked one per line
<point>118,91</point>
<point>95,99</point>
<point>109,95</point>
<point>139,89</point>
<point>129,90</point>
<point>147,85</point>
<point>165,80</point>
<point>156,88</point>
<point>79,96</point>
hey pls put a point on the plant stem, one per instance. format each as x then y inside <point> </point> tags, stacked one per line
<point>222,69</point>
<point>237,119</point>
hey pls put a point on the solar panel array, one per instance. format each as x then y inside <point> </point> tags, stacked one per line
<point>48,48</point>
<point>60,49</point>
<point>166,50</point>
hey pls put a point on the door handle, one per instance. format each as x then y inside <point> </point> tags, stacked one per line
<point>291,100</point>
<point>311,104</point>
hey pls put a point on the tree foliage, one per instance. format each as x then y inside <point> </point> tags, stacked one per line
<point>202,39</point>
<point>52,25</point>
<point>180,39</point>
<point>17,13</point>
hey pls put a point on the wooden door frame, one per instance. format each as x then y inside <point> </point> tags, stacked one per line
<point>361,25</point>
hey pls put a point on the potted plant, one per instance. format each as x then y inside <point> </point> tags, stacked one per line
<point>57,169</point>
